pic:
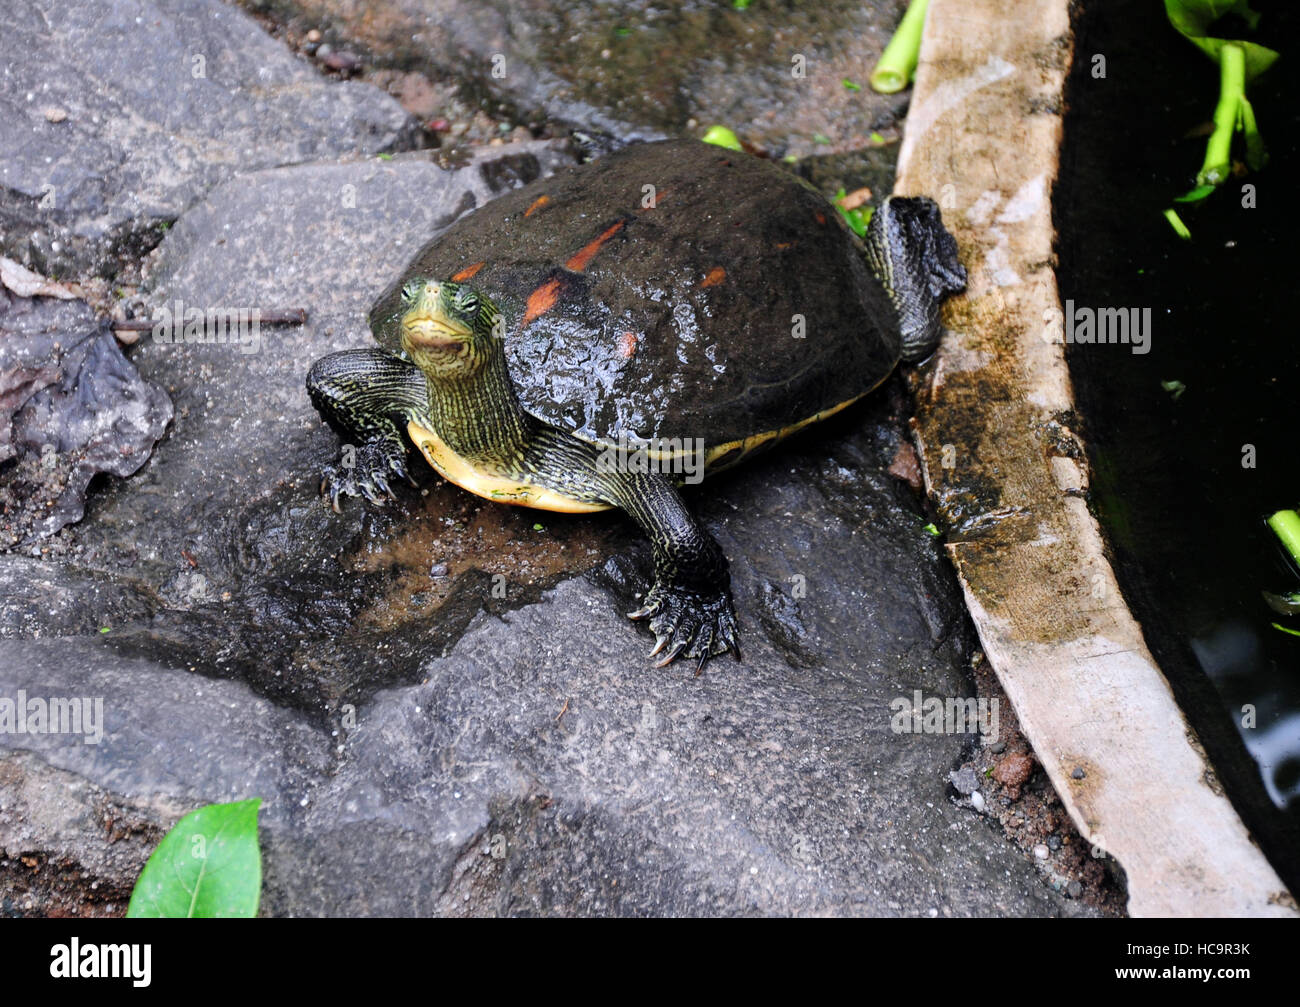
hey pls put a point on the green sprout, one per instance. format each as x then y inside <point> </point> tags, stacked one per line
<point>1286,526</point>
<point>1239,62</point>
<point>1174,388</point>
<point>720,136</point>
<point>898,62</point>
<point>1176,222</point>
<point>857,218</point>
<point>850,85</point>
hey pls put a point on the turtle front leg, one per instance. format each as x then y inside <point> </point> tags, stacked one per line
<point>367,396</point>
<point>689,605</point>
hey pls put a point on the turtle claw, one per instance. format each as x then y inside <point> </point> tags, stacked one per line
<point>699,625</point>
<point>368,475</point>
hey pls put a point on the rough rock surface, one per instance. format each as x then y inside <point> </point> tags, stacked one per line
<point>116,114</point>
<point>71,406</point>
<point>443,706</point>
<point>774,73</point>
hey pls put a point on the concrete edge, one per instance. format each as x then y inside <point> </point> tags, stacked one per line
<point>1009,477</point>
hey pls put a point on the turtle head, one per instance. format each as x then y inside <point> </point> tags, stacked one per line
<point>447,328</point>
<point>915,259</point>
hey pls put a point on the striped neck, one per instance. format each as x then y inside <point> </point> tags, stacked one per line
<point>479,416</point>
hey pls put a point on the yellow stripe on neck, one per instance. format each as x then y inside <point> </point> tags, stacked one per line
<point>502,489</point>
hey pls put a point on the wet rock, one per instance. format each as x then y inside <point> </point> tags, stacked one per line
<point>399,725</point>
<point>774,74</point>
<point>71,406</point>
<point>223,537</point>
<point>123,157</point>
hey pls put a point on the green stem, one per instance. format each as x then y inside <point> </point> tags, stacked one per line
<point>1286,526</point>
<point>898,61</point>
<point>1232,89</point>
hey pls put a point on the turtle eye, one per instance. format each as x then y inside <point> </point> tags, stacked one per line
<point>411,291</point>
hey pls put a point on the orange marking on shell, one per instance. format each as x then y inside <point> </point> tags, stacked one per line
<point>538,203</point>
<point>541,300</point>
<point>715,276</point>
<point>821,217</point>
<point>580,261</point>
<point>627,344</point>
<point>783,245</point>
<point>468,272</point>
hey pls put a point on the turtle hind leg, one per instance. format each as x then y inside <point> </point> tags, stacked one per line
<point>689,605</point>
<point>366,396</point>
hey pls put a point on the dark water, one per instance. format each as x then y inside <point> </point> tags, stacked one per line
<point>1183,515</point>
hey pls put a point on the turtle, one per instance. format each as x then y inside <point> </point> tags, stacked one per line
<point>604,336</point>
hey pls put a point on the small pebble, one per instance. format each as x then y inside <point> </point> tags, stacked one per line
<point>964,780</point>
<point>438,570</point>
<point>342,61</point>
<point>977,801</point>
<point>324,50</point>
<point>1074,889</point>
<point>1054,842</point>
<point>313,35</point>
<point>998,747</point>
<point>54,114</point>
<point>1041,851</point>
<point>1078,773</point>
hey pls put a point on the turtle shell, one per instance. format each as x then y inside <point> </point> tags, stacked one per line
<point>671,290</point>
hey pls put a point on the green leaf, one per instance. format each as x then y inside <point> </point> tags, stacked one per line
<point>385,157</point>
<point>850,85</point>
<point>1286,629</point>
<point>1174,388</point>
<point>1283,604</point>
<point>1195,196</point>
<point>208,866</point>
<point>1193,19</point>
<point>720,136</point>
<point>741,4</point>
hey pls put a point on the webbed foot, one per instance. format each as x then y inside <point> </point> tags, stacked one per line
<point>699,625</point>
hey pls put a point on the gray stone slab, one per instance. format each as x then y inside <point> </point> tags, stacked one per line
<point>116,114</point>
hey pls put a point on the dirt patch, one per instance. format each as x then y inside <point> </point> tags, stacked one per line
<point>1016,796</point>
